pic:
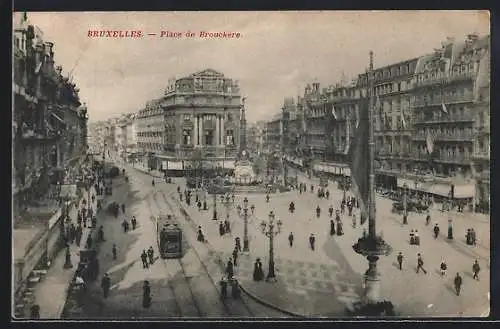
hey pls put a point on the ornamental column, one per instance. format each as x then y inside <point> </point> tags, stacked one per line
<point>200,130</point>
<point>217,130</point>
<point>222,131</point>
<point>195,137</point>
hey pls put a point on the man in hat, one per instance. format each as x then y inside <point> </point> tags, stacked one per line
<point>105,285</point>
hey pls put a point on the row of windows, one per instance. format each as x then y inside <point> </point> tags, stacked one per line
<point>207,117</point>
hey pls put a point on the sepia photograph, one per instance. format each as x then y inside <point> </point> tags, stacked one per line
<point>250,165</point>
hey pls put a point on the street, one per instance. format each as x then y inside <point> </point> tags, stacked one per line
<point>186,287</point>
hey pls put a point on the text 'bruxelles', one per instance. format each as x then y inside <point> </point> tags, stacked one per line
<point>135,34</point>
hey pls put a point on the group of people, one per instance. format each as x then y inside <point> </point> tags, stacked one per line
<point>443,267</point>
<point>148,257</point>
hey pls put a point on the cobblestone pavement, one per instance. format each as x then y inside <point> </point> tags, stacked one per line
<point>414,294</point>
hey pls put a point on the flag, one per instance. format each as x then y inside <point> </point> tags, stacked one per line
<point>38,67</point>
<point>443,107</point>
<point>333,112</point>
<point>347,135</point>
<point>360,167</point>
<point>357,117</point>
<point>429,142</point>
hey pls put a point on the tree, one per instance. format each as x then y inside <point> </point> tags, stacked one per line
<point>259,165</point>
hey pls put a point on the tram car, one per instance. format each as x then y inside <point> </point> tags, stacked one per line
<point>169,237</point>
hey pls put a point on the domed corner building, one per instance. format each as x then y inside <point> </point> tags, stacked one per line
<point>194,127</point>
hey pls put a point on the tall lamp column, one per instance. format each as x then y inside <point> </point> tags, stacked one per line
<point>271,229</point>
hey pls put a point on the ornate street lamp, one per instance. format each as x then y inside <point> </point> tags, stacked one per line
<point>245,215</point>
<point>271,229</point>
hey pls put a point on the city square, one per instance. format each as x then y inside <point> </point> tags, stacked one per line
<point>365,197</point>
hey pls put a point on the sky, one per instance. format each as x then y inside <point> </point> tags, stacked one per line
<point>277,54</point>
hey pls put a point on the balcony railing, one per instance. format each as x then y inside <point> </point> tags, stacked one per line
<point>443,137</point>
<point>442,79</point>
<point>443,118</point>
<point>468,97</point>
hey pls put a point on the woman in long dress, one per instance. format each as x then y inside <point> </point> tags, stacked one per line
<point>332,227</point>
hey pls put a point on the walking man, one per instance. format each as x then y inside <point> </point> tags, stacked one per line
<point>151,255</point>
<point>420,264</point>
<point>105,285</point>
<point>144,258</point>
<point>235,257</point>
<point>312,241</point>
<point>400,261</point>
<point>458,283</point>
<point>475,270</point>
<point>443,268</point>
<point>290,239</point>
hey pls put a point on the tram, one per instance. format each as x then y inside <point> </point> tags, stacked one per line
<point>169,237</point>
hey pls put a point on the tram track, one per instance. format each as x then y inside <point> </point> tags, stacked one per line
<point>236,308</point>
<point>182,288</point>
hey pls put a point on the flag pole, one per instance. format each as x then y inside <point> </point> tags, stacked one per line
<point>371,246</point>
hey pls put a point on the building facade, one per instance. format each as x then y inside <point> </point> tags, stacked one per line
<point>151,131</point>
<point>273,134</point>
<point>431,123</point>
<point>48,135</point>
<point>202,112</point>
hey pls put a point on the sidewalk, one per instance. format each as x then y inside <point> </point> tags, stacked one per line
<point>143,169</point>
<point>51,292</point>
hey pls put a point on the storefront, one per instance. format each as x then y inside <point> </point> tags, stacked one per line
<point>334,170</point>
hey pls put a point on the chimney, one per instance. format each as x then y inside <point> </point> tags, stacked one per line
<point>371,60</point>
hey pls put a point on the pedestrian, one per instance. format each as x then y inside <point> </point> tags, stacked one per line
<point>235,257</point>
<point>232,198</point>
<point>133,222</point>
<point>100,234</point>
<point>229,269</point>
<point>146,294</point>
<point>267,198</point>
<point>312,241</point>
<point>89,241</point>
<point>237,243</point>
<point>79,234</point>
<point>94,222</point>
<point>420,264</point>
<point>235,288</point>
<point>332,227</point>
<point>151,255</point>
<point>354,221</point>
<point>114,251</point>
<point>340,228</point>
<point>327,194</point>
<point>400,260</point>
<point>105,285</point>
<point>223,287</point>
<point>200,235</point>
<point>221,229</point>
<point>417,238</point>
<point>412,237</point>
<point>475,270</point>
<point>428,218</point>
<point>290,239</point>
<point>458,284</point>
<point>473,236</point>
<point>443,267</point>
<point>450,230</point>
<point>125,226</point>
<point>330,211</point>
<point>318,211</point>
<point>258,273</point>
<point>436,230</point>
<point>144,258</point>
<point>227,226</point>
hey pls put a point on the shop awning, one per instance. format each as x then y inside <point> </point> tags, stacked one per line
<point>68,191</point>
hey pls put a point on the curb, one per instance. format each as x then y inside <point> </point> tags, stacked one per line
<point>270,305</point>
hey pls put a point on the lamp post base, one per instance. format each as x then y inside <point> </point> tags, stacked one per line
<point>271,275</point>
<point>246,244</point>
<point>215,215</point>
